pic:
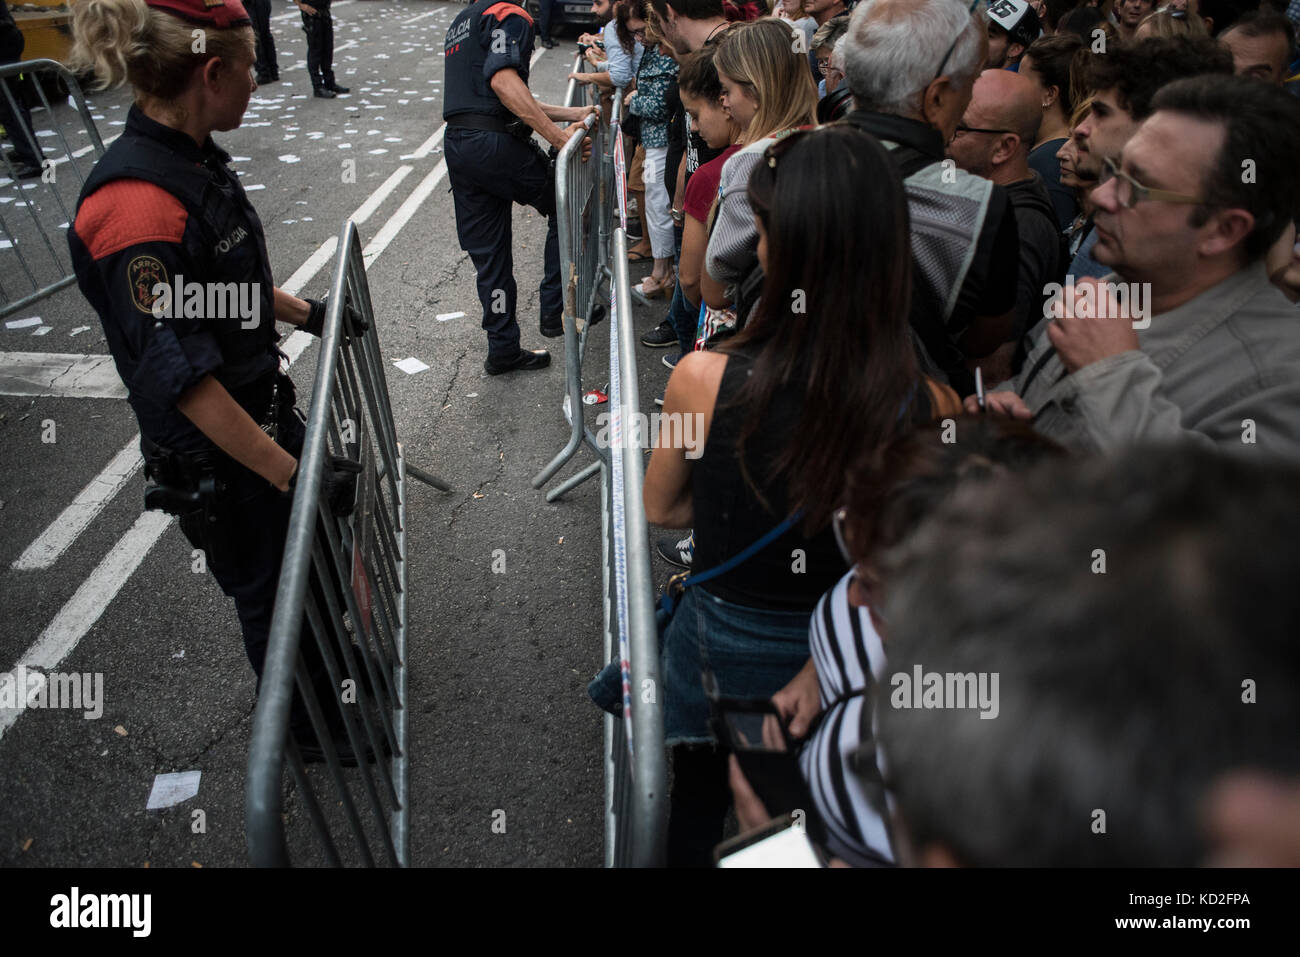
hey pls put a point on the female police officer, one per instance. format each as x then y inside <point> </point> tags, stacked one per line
<point>172,257</point>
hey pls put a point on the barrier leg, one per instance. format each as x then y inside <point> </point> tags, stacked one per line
<point>574,481</point>
<point>427,478</point>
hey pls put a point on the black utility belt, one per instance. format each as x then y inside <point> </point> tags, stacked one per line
<point>495,124</point>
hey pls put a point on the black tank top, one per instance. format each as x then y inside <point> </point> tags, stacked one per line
<point>791,573</point>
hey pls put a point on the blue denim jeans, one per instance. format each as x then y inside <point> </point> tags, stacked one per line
<point>752,652</point>
<point>684,318</point>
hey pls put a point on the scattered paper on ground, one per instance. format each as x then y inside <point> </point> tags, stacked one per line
<point>410,366</point>
<point>23,323</point>
<point>171,789</point>
<point>444,316</point>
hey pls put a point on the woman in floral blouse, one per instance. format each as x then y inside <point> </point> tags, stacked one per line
<point>655,78</point>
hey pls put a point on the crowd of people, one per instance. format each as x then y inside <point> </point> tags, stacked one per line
<point>877,213</point>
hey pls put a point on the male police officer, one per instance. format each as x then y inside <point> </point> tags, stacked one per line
<point>493,162</point>
<point>318,23</point>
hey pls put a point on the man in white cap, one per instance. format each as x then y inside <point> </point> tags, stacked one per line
<point>1013,25</point>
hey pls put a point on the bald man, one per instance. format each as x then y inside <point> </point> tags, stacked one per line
<point>993,140</point>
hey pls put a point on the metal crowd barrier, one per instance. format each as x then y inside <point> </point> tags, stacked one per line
<point>345,581</point>
<point>34,259</point>
<point>582,206</point>
<point>636,766</point>
<point>635,761</point>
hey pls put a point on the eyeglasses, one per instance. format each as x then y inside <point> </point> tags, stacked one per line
<point>1129,192</point>
<point>952,46</point>
<point>963,128</point>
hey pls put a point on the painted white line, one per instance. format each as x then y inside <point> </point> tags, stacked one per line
<point>325,252</point>
<point>60,374</point>
<point>308,270</point>
<point>417,19</point>
<point>429,145</point>
<point>403,215</point>
<point>89,602</point>
<point>344,46</point>
<point>367,209</point>
<point>63,531</point>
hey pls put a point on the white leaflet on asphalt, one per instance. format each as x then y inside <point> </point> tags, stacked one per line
<point>410,366</point>
<point>172,789</point>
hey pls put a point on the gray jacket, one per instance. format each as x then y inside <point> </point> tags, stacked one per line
<point>1222,370</point>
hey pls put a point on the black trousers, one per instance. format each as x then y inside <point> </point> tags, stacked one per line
<point>259,11</point>
<point>320,48</point>
<point>243,551</point>
<point>490,172</point>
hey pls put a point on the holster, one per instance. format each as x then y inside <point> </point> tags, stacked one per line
<point>184,482</point>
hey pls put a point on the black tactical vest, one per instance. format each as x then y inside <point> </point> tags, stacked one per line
<point>465,51</point>
<point>229,245</point>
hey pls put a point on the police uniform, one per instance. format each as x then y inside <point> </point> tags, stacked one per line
<point>492,162</point>
<point>158,210</point>
<point>320,48</point>
<point>268,69</point>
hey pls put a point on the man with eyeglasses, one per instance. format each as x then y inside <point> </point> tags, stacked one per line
<point>1185,219</point>
<point>993,141</point>
<point>1122,83</point>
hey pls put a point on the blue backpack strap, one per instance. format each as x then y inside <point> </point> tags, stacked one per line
<point>735,560</point>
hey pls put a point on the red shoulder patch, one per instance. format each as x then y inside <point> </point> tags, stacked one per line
<point>503,10</point>
<point>129,211</point>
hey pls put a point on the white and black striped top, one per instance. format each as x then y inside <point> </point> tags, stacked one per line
<point>846,650</point>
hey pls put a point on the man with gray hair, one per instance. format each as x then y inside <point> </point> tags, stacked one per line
<point>911,65</point>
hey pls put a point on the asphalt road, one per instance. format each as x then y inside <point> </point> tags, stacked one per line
<point>499,720</point>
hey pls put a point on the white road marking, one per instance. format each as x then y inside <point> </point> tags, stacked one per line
<point>60,374</point>
<point>416,19</point>
<point>89,602</point>
<point>63,531</point>
<point>403,215</point>
<point>429,145</point>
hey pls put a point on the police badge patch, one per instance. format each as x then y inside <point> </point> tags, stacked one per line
<point>144,273</point>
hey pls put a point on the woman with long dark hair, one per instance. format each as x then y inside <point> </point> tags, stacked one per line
<point>824,369</point>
